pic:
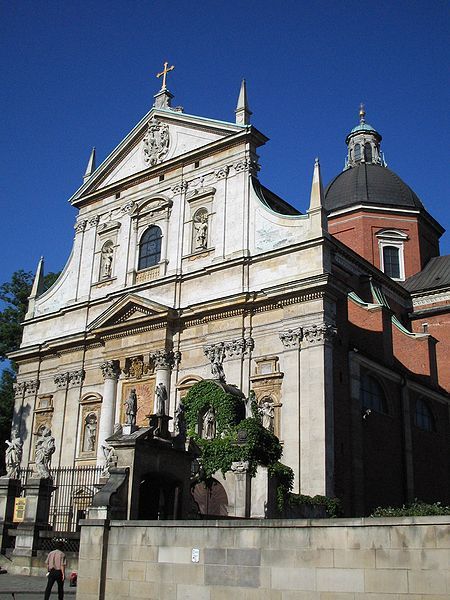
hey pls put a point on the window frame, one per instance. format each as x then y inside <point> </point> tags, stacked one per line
<point>396,239</point>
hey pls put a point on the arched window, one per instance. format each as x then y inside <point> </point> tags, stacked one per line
<point>372,394</point>
<point>150,248</point>
<point>391,261</point>
<point>357,152</point>
<point>367,152</point>
<point>423,417</point>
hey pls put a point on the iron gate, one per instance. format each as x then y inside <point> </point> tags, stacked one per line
<point>75,488</point>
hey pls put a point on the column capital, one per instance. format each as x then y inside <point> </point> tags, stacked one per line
<point>163,359</point>
<point>318,333</point>
<point>110,369</point>
<point>291,338</point>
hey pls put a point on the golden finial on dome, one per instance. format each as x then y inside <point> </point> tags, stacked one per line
<point>362,113</point>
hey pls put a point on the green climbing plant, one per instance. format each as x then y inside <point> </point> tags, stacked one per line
<point>236,440</point>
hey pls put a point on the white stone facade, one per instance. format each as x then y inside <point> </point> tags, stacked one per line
<point>251,272</point>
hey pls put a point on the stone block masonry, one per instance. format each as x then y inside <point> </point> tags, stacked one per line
<point>342,559</point>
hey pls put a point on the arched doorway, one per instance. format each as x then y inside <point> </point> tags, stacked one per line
<point>211,498</point>
<point>159,497</point>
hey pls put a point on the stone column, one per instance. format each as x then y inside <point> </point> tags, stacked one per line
<point>164,362</point>
<point>111,372</point>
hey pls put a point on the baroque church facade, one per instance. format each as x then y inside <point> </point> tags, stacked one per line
<point>183,263</point>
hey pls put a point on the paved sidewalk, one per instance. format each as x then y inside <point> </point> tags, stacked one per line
<point>29,588</point>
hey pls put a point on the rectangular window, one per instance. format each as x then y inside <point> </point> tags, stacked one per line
<point>391,261</point>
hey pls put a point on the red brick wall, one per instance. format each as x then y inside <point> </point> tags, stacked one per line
<point>358,231</point>
<point>438,327</point>
<point>431,456</point>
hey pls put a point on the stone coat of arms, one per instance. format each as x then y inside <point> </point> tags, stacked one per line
<point>156,142</point>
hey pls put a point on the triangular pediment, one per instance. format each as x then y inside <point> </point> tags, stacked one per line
<point>127,311</point>
<point>161,136</point>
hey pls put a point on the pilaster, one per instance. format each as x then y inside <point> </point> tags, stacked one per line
<point>316,410</point>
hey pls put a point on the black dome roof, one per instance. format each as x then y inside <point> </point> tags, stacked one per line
<point>369,184</point>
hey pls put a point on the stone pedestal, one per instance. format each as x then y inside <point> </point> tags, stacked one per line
<point>242,489</point>
<point>9,490</point>
<point>129,429</point>
<point>159,425</point>
<point>37,509</point>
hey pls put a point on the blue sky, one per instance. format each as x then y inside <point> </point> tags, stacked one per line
<point>82,74</point>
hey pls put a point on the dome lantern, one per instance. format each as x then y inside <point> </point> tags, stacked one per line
<point>363,143</point>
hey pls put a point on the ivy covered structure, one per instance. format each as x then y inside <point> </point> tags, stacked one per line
<point>200,314</point>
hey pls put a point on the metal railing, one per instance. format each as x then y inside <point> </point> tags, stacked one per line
<point>75,488</point>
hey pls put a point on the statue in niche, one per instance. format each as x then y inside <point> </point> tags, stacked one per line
<point>267,412</point>
<point>45,448</point>
<point>90,432</point>
<point>201,230</point>
<point>131,408</point>
<point>110,459</point>
<point>106,261</point>
<point>209,424</point>
<point>160,399</point>
<point>13,456</point>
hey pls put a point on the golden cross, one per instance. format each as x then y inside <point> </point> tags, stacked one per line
<point>163,74</point>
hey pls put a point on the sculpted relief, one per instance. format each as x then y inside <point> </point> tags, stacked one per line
<point>156,142</point>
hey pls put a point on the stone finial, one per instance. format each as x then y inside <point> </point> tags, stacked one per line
<point>90,168</point>
<point>316,210</point>
<point>37,288</point>
<point>316,198</point>
<point>242,111</point>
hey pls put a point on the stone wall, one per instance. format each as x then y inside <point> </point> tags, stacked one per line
<point>342,559</point>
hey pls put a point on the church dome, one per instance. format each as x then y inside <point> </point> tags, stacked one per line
<point>366,178</point>
<point>372,184</point>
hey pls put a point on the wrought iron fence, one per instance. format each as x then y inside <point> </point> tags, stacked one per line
<point>75,488</point>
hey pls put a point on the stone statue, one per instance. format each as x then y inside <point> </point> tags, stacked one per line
<point>201,231</point>
<point>180,421</point>
<point>209,424</point>
<point>45,448</point>
<point>91,432</point>
<point>217,371</point>
<point>251,406</point>
<point>216,363</point>
<point>267,413</point>
<point>107,259</point>
<point>131,408</point>
<point>13,456</point>
<point>160,399</point>
<point>110,459</point>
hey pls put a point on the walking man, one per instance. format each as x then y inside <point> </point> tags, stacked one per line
<point>56,565</point>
